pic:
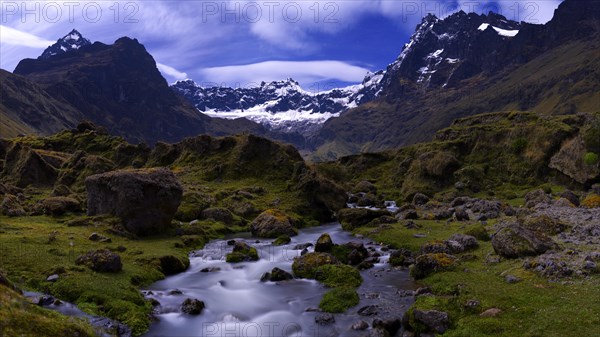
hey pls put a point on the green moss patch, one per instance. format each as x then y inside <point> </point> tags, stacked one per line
<point>339,300</point>
<point>339,276</point>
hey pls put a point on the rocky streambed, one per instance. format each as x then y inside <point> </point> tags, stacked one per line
<point>235,302</point>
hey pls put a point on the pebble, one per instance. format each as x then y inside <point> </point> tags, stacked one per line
<point>52,278</point>
<point>492,312</point>
<point>512,279</point>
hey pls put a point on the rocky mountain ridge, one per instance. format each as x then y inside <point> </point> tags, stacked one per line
<point>280,105</point>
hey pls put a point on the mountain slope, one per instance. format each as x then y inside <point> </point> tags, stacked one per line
<point>26,108</point>
<point>548,69</point>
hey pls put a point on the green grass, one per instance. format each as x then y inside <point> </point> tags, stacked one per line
<point>534,307</point>
<point>400,237</point>
<point>19,317</point>
<point>32,248</point>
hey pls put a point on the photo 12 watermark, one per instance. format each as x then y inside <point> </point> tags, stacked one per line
<point>264,12</point>
<point>68,11</point>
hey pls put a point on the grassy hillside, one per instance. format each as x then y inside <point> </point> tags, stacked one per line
<point>494,154</point>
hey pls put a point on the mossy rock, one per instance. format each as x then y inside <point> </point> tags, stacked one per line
<point>273,223</point>
<point>11,206</point>
<point>244,208</point>
<point>341,252</point>
<point>479,232</point>
<point>365,187</point>
<point>220,214</point>
<point>242,252</point>
<point>57,206</point>
<point>171,265</point>
<point>235,257</point>
<point>339,276</point>
<point>338,300</point>
<point>324,244</point>
<point>306,266</point>
<point>282,240</point>
<point>513,241</point>
<point>545,224</point>
<point>401,258</point>
<point>591,201</point>
<point>427,264</point>
<point>192,205</point>
<point>102,260</point>
<point>352,218</point>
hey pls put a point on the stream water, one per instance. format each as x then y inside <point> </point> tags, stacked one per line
<point>239,304</point>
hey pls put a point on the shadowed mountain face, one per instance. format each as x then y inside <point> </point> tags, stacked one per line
<point>117,86</point>
<point>468,64</point>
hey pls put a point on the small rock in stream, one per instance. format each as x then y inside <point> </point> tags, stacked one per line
<point>192,306</point>
<point>360,325</point>
<point>45,300</point>
<point>324,319</point>
<point>210,270</point>
<point>369,310</point>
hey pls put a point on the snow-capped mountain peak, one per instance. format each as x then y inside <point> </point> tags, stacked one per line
<point>280,105</point>
<point>72,41</point>
<point>442,52</point>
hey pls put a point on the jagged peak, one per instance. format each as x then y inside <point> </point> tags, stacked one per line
<point>187,81</point>
<point>429,18</point>
<point>73,40</point>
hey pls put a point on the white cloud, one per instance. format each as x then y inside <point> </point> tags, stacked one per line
<point>280,25</point>
<point>305,72</point>
<point>171,72</point>
<point>16,37</point>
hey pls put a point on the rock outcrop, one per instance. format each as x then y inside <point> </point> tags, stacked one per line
<point>569,160</point>
<point>145,200</point>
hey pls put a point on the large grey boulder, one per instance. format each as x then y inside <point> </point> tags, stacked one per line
<point>145,200</point>
<point>513,240</point>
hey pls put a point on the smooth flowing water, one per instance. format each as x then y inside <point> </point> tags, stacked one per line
<point>239,304</point>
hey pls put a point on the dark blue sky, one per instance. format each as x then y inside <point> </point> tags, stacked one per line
<point>227,42</point>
